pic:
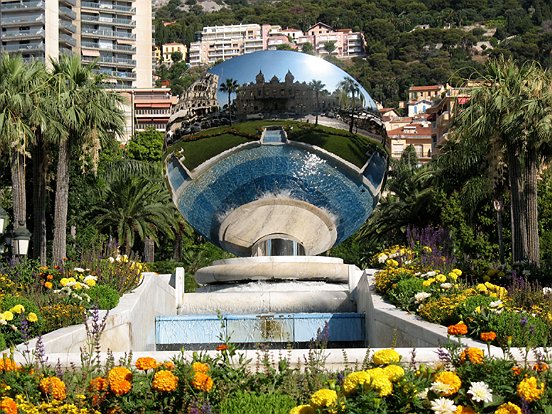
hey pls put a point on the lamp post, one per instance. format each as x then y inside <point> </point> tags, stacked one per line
<point>3,220</point>
<point>20,241</point>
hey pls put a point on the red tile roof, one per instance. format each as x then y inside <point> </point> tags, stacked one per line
<point>425,88</point>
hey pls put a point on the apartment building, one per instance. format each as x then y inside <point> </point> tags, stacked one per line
<point>217,43</point>
<point>164,53</point>
<point>117,34</point>
<point>420,98</point>
<point>146,107</point>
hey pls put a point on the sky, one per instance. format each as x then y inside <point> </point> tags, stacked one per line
<point>304,67</point>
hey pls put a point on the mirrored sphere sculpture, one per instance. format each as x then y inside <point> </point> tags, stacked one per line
<point>275,153</point>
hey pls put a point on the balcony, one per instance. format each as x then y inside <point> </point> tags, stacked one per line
<point>23,34</point>
<point>63,38</point>
<point>108,34</point>
<point>114,61</point>
<point>104,6</point>
<point>23,21</point>
<point>67,12</point>
<point>67,26</point>
<point>33,47</point>
<point>25,5</point>
<point>118,74</point>
<point>108,20</point>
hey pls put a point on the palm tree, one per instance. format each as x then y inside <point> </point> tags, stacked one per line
<point>317,86</point>
<point>88,113</point>
<point>19,85</point>
<point>511,110</point>
<point>136,208</point>
<point>229,86</point>
<point>349,86</point>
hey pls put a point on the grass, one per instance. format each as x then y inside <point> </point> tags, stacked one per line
<point>200,147</point>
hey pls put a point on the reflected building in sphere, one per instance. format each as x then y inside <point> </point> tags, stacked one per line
<point>274,96</point>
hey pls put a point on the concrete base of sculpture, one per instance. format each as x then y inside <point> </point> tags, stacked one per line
<point>276,268</point>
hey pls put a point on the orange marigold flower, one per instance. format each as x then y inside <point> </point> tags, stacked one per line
<point>508,408</point>
<point>164,381</point>
<point>8,364</point>
<point>530,389</point>
<point>200,367</point>
<point>458,329</point>
<point>8,406</point>
<point>120,387</point>
<point>516,370</point>
<point>50,277</point>
<point>464,410</point>
<point>474,355</point>
<point>540,367</point>
<point>451,379</point>
<point>202,382</point>
<point>120,380</point>
<point>222,347</point>
<point>487,336</point>
<point>168,365</point>
<point>48,285</point>
<point>97,384</point>
<point>53,387</point>
<point>145,363</point>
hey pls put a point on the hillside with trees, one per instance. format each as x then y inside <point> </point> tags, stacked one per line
<point>407,42</point>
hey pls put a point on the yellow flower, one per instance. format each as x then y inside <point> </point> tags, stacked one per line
<point>464,410</point>
<point>31,317</point>
<point>530,390</point>
<point>18,309</point>
<point>386,356</point>
<point>48,285</point>
<point>7,316</point>
<point>90,282</point>
<point>63,281</point>
<point>302,409</point>
<point>508,408</point>
<point>354,379</point>
<point>324,398</point>
<point>382,385</point>
<point>441,278</point>
<point>164,381</point>
<point>481,288</point>
<point>451,379</point>
<point>394,372</point>
<point>458,272</point>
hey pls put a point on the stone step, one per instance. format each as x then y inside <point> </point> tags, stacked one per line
<point>273,330</point>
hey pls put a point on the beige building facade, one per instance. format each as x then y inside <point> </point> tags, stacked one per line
<point>116,34</point>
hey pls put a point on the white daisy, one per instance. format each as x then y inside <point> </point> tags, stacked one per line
<point>421,296</point>
<point>440,387</point>
<point>480,392</point>
<point>443,406</point>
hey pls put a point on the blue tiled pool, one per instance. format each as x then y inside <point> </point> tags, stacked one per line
<point>247,175</point>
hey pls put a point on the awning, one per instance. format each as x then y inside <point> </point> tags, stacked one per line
<point>90,52</point>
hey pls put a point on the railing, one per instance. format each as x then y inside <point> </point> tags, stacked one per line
<point>66,25</point>
<point>23,20</point>
<point>117,74</point>
<point>125,22</point>
<point>91,5</point>
<point>112,60</point>
<point>120,48</point>
<point>24,48</point>
<point>22,5</point>
<point>15,34</point>
<point>109,33</point>
<point>67,11</point>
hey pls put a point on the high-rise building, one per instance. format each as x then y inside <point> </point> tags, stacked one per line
<point>117,34</point>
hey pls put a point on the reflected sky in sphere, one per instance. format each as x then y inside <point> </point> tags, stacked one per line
<point>304,68</point>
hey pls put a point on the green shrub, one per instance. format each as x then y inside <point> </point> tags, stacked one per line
<point>30,329</point>
<point>466,310</point>
<point>2,342</point>
<point>402,294</point>
<point>442,310</point>
<point>252,403</point>
<point>518,329</point>
<point>103,296</point>
<point>60,315</point>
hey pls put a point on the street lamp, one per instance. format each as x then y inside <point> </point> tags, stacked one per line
<point>3,220</point>
<point>20,240</point>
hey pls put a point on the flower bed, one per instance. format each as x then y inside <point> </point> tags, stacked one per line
<point>35,300</point>
<point>463,380</point>
<point>519,316</point>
